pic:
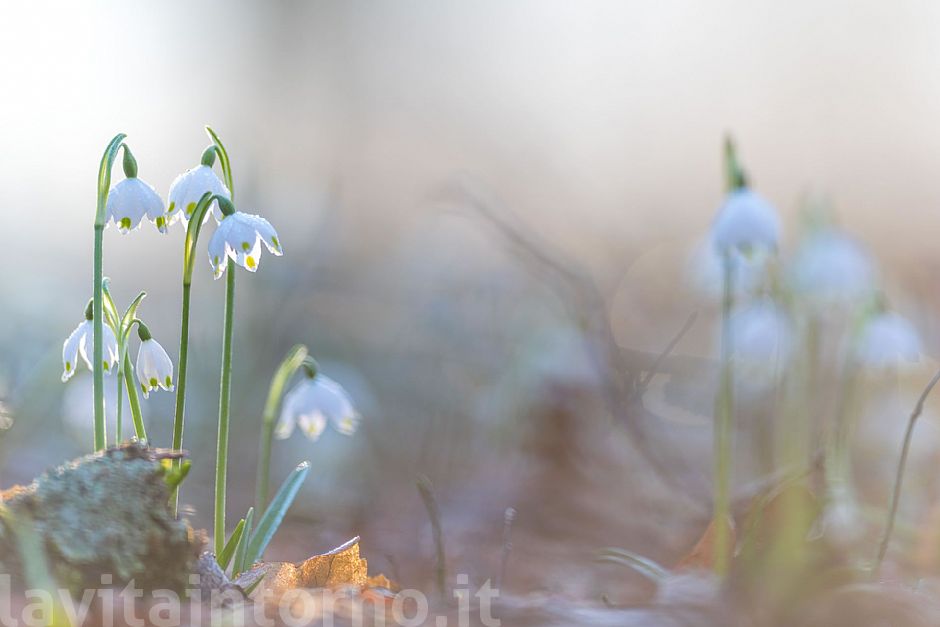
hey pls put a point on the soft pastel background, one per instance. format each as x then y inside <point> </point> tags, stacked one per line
<point>596,126</point>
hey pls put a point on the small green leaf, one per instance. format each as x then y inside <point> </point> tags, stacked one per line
<point>228,550</point>
<point>241,551</point>
<point>175,474</point>
<point>130,313</point>
<point>273,516</point>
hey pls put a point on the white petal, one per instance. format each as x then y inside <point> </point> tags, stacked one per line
<point>887,340</point>
<point>832,270</point>
<point>132,199</point>
<point>157,367</point>
<point>268,234</point>
<point>189,187</point>
<point>330,398</point>
<point>284,428</point>
<point>312,425</point>
<point>218,255</point>
<point>71,347</point>
<point>746,222</point>
<point>110,347</point>
<point>248,256</point>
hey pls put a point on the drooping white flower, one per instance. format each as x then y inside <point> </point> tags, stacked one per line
<point>154,367</point>
<point>80,343</point>
<point>705,272</point>
<point>830,269</point>
<point>239,237</point>
<point>745,223</point>
<point>314,403</point>
<point>760,332</point>
<point>189,187</point>
<point>888,340</point>
<point>130,201</point>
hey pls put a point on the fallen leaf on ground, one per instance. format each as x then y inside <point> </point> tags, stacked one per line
<point>341,567</point>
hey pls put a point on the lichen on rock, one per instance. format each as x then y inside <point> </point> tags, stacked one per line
<point>107,514</point>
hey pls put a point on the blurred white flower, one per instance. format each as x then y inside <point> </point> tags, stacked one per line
<point>706,275</point>
<point>189,187</point>
<point>154,367</point>
<point>80,343</point>
<point>132,199</point>
<point>746,223</point>
<point>888,340</point>
<point>239,236</point>
<point>312,404</point>
<point>760,333</point>
<point>831,269</point>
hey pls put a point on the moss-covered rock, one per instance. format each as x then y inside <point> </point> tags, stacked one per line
<point>107,514</point>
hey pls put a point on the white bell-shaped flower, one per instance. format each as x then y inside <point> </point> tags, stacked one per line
<point>314,403</point>
<point>130,201</point>
<point>746,223</point>
<point>760,333</point>
<point>239,237</point>
<point>888,340</point>
<point>761,344</point>
<point>705,272</point>
<point>79,345</point>
<point>189,187</point>
<point>830,269</point>
<point>154,367</point>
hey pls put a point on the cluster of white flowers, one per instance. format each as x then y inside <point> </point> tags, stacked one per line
<point>238,237</point>
<point>830,274</point>
<point>314,402</point>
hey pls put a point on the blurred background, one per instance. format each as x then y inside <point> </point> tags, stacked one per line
<point>401,149</point>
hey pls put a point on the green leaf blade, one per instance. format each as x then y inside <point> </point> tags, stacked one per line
<point>241,551</point>
<point>274,515</point>
<point>228,551</point>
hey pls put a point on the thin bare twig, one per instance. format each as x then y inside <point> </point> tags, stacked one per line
<point>654,369</point>
<point>899,477</point>
<point>426,489</point>
<point>578,291</point>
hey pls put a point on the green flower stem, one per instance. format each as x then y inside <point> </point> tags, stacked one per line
<point>98,342</point>
<point>294,360</point>
<point>133,400</point>
<point>104,186</point>
<point>724,412</point>
<point>120,401</point>
<point>225,393</point>
<point>838,467</point>
<point>899,477</point>
<point>189,255</point>
<point>225,386</point>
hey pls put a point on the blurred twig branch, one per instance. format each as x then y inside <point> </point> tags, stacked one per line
<point>623,379</point>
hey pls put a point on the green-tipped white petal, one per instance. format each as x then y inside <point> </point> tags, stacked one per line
<point>130,201</point>
<point>189,187</point>
<point>239,238</point>
<point>314,403</point>
<point>154,367</point>
<point>79,344</point>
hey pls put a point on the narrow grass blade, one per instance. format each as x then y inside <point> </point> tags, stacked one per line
<point>228,551</point>
<point>241,551</point>
<point>645,566</point>
<point>273,516</point>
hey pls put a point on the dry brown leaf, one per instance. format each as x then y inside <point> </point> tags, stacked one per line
<point>702,555</point>
<point>340,567</point>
